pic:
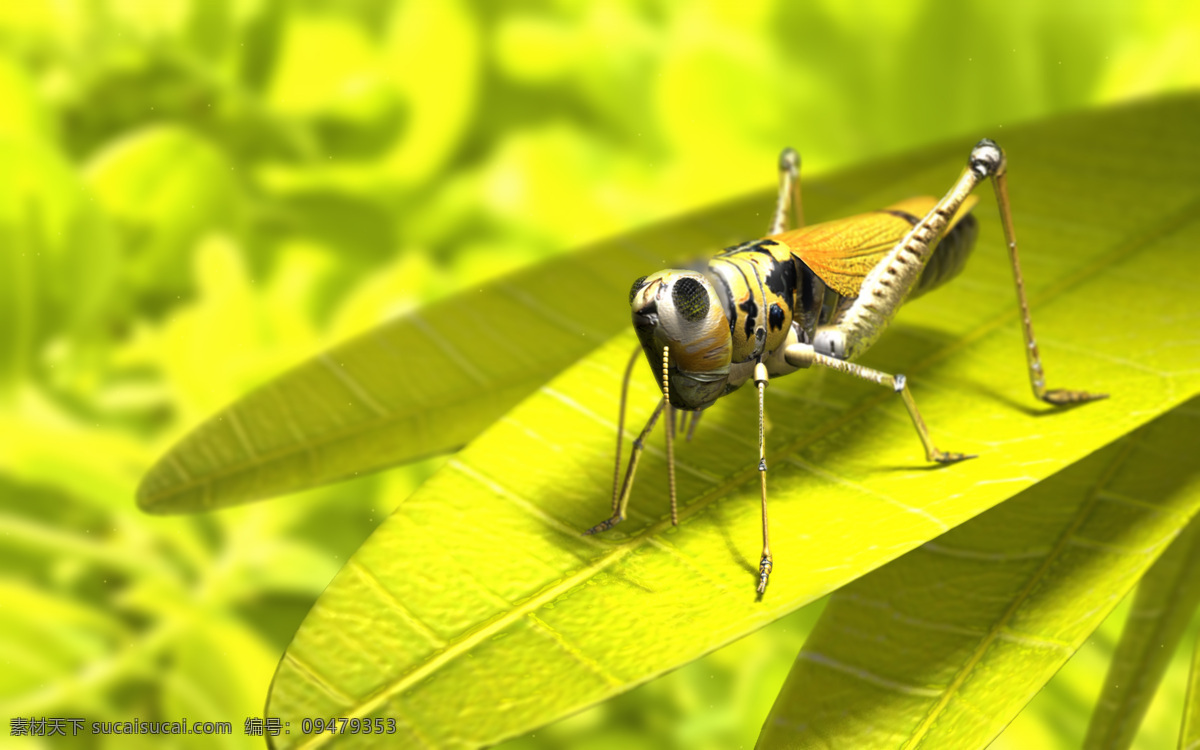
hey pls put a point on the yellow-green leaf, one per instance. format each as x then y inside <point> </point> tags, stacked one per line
<point>478,611</point>
<point>58,265</point>
<point>166,187</point>
<point>942,647</point>
<point>1166,599</point>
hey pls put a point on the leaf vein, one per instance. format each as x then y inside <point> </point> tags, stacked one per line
<point>368,577</point>
<point>239,429</point>
<point>314,678</point>
<point>529,507</point>
<point>574,652</point>
<point>869,677</point>
<point>448,349</point>
<point>352,384</point>
<point>835,479</point>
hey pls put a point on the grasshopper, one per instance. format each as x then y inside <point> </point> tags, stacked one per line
<point>816,296</point>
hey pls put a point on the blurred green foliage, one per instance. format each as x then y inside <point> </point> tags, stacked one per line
<point>199,193</point>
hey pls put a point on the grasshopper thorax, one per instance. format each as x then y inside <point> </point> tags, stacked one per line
<point>680,310</point>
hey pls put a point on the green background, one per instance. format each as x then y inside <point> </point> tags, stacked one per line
<point>198,194</point>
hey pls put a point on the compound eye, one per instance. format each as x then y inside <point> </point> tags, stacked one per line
<point>637,285</point>
<point>690,298</point>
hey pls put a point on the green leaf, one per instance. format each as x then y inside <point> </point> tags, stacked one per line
<point>217,671</point>
<point>167,187</point>
<point>430,381</point>
<point>441,98</point>
<point>259,50</point>
<point>58,266</point>
<point>942,647</point>
<point>1166,599</point>
<point>47,632</point>
<point>26,117</point>
<point>1189,733</point>
<point>477,611</point>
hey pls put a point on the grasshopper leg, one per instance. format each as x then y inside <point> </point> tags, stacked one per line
<point>766,562</point>
<point>789,192</point>
<point>669,426</point>
<point>803,355</point>
<point>1037,376</point>
<point>886,286</point>
<point>621,427</point>
<point>622,499</point>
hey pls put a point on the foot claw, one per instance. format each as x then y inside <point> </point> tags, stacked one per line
<point>604,525</point>
<point>1063,397</point>
<point>764,574</point>
<point>947,457</point>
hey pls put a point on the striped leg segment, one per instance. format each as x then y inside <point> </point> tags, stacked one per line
<point>670,430</point>
<point>765,563</point>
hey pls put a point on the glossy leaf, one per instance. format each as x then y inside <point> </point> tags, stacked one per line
<point>478,611</point>
<point>1166,600</point>
<point>942,647</point>
<point>428,382</point>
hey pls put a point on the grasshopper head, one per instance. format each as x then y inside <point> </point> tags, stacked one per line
<point>680,310</point>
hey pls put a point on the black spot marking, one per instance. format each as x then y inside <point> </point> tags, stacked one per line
<point>761,246</point>
<point>751,309</point>
<point>781,280</point>
<point>913,220</point>
<point>637,285</point>
<point>651,308</point>
<point>776,317</point>
<point>808,295</point>
<point>690,298</point>
<point>753,246</point>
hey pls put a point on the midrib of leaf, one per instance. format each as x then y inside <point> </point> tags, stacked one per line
<point>1022,597</point>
